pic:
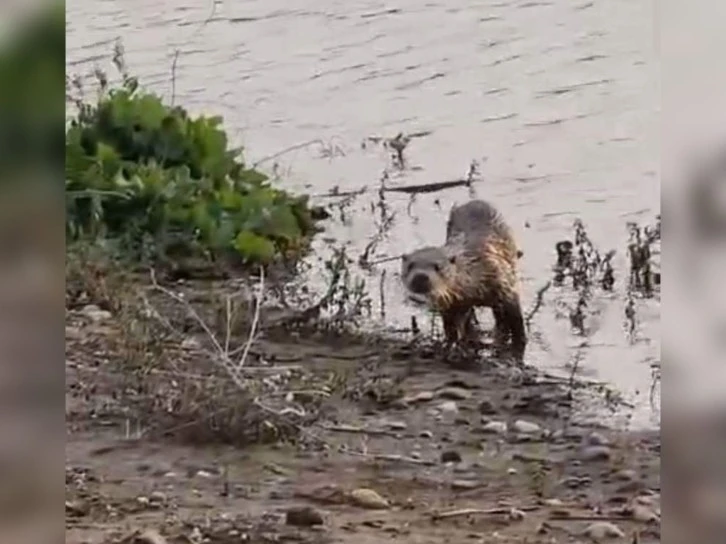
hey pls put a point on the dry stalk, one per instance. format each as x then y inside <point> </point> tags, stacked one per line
<point>222,354</point>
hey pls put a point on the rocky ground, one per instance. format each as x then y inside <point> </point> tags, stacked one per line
<point>357,440</point>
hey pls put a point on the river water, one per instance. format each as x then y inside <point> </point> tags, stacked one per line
<point>556,100</point>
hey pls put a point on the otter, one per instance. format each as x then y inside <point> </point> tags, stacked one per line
<point>476,267</point>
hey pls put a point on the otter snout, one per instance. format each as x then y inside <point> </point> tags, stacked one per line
<point>420,284</point>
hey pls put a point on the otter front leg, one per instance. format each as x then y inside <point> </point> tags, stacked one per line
<point>452,327</point>
<point>459,324</point>
<point>509,324</point>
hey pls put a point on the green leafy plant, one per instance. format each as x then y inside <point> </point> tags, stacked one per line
<point>160,182</point>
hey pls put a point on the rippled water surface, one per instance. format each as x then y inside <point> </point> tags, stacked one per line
<point>557,101</point>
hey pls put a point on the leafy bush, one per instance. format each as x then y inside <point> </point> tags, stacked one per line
<point>162,183</point>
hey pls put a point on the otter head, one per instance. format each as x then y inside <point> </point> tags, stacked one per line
<point>425,274</point>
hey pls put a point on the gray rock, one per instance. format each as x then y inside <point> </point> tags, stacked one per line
<point>603,530</point>
<point>450,456</point>
<point>397,425</point>
<point>526,427</point>
<point>595,453</point>
<point>96,314</point>
<point>486,407</point>
<point>453,393</point>
<point>464,485</point>
<point>448,407</point>
<point>495,427</point>
<point>596,439</point>
<point>304,516</point>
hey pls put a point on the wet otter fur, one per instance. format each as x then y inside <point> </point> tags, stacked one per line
<point>476,267</point>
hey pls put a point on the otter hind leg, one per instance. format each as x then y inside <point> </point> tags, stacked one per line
<point>509,324</point>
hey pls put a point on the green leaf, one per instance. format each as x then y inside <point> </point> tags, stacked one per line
<point>253,247</point>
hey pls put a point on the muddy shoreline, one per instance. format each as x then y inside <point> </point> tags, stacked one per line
<point>393,443</point>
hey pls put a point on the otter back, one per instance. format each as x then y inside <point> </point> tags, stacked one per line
<point>477,219</point>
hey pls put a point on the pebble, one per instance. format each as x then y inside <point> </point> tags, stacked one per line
<point>449,407</point>
<point>516,515</point>
<point>526,427</point>
<point>149,536</point>
<point>367,498</point>
<point>464,485</point>
<point>601,530</point>
<point>450,456</point>
<point>496,427</point>
<point>303,516</point>
<point>626,475</point>
<point>422,396</point>
<point>486,407</point>
<point>511,471</point>
<point>644,514</point>
<point>157,496</point>
<point>397,425</point>
<point>595,453</point>
<point>454,393</point>
<point>596,439</point>
<point>426,434</point>
<point>96,314</point>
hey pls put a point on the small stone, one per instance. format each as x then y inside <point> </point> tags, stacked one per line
<point>149,536</point>
<point>555,503</point>
<point>96,314</point>
<point>421,396</point>
<point>449,407</point>
<point>157,496</point>
<point>367,498</point>
<point>626,475</point>
<point>526,427</point>
<point>511,471</point>
<point>397,425</point>
<point>464,485</point>
<point>426,434</point>
<point>595,453</point>
<point>543,528</point>
<point>204,474</point>
<point>495,427</point>
<point>516,515</point>
<point>486,407</point>
<point>303,516</point>
<point>144,501</point>
<point>644,514</point>
<point>450,456</point>
<point>596,439</point>
<point>601,530</point>
<point>453,393</point>
<point>646,500</point>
